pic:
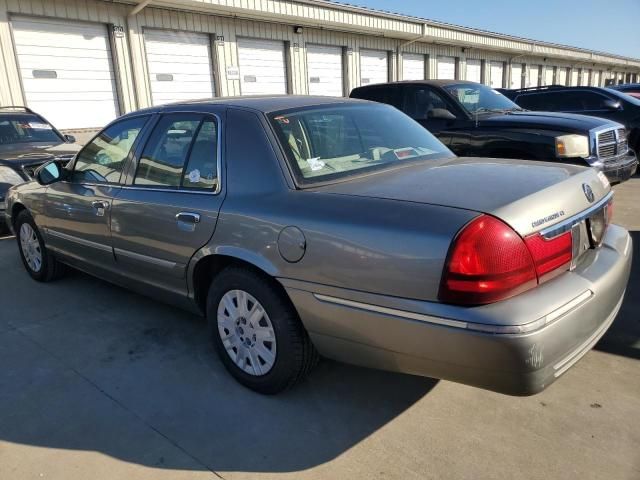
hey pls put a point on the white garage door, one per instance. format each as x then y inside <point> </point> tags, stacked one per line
<point>67,71</point>
<point>532,76</point>
<point>548,76</point>
<point>586,73</point>
<point>179,66</point>
<point>516,76</point>
<point>446,68</point>
<point>596,78</point>
<point>574,77</point>
<point>562,76</point>
<point>374,67</point>
<point>496,74</point>
<point>262,67</point>
<point>324,65</point>
<point>474,70</point>
<point>412,66</point>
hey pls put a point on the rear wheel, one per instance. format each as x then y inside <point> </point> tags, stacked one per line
<point>38,261</point>
<point>257,332</point>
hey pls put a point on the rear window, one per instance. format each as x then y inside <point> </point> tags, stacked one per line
<point>329,143</point>
<point>25,128</point>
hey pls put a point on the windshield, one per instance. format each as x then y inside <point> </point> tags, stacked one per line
<point>625,96</point>
<point>332,142</point>
<point>476,98</point>
<point>25,128</point>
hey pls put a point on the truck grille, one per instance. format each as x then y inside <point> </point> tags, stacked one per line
<point>612,143</point>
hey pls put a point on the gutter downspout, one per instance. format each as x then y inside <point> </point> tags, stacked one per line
<point>402,45</point>
<point>139,7</point>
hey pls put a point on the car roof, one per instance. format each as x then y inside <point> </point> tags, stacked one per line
<point>261,103</point>
<point>435,83</point>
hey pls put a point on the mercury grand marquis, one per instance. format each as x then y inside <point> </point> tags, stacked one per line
<point>307,226</point>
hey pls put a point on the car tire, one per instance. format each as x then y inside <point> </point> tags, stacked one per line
<point>36,258</point>
<point>256,331</point>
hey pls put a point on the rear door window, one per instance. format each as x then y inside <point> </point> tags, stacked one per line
<point>419,101</point>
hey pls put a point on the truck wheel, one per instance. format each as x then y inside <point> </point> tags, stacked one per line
<point>39,262</point>
<point>257,332</point>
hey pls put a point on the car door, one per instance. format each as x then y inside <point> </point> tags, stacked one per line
<point>78,209</point>
<point>169,207</point>
<point>426,106</point>
<point>600,105</point>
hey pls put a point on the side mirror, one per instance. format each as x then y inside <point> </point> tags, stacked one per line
<point>441,114</point>
<point>48,173</point>
<point>611,104</point>
<point>70,138</point>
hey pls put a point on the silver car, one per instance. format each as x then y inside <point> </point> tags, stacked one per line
<point>302,226</point>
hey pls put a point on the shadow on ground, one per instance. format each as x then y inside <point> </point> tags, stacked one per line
<point>623,338</point>
<point>89,366</point>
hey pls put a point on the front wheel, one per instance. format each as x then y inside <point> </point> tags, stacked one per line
<point>38,261</point>
<point>257,332</point>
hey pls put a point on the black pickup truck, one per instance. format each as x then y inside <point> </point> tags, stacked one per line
<point>474,120</point>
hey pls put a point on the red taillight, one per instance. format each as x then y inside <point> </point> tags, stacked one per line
<point>549,254</point>
<point>489,261</point>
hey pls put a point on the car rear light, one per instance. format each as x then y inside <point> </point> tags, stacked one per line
<point>549,254</point>
<point>488,261</point>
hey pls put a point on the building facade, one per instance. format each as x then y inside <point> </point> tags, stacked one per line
<point>81,63</point>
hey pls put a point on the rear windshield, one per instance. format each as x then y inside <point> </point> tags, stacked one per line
<point>24,128</point>
<point>331,142</point>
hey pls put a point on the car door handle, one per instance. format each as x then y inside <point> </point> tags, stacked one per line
<point>188,217</point>
<point>100,207</point>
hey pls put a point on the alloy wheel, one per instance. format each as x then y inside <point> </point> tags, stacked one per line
<point>30,246</point>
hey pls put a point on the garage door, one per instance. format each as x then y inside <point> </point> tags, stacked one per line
<point>412,66</point>
<point>574,77</point>
<point>374,67</point>
<point>262,67</point>
<point>446,68</point>
<point>324,66</point>
<point>532,76</point>
<point>596,78</point>
<point>548,76</point>
<point>496,74</point>
<point>562,76</point>
<point>586,73</point>
<point>474,70</point>
<point>179,66</point>
<point>67,71</point>
<point>516,76</point>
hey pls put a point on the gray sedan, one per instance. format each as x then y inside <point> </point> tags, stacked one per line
<point>303,226</point>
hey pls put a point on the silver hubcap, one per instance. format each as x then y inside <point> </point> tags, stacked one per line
<point>30,247</point>
<point>246,332</point>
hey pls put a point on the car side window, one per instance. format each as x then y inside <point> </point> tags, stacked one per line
<point>182,152</point>
<point>593,101</point>
<point>419,101</point>
<point>104,158</point>
<point>376,94</point>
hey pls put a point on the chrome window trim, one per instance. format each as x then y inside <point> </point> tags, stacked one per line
<point>215,191</point>
<point>566,225</point>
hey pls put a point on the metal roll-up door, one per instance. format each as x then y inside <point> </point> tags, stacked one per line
<point>496,74</point>
<point>516,76</point>
<point>474,70</point>
<point>532,76</point>
<point>562,76</point>
<point>586,77</point>
<point>67,71</point>
<point>574,77</point>
<point>413,66</point>
<point>179,65</point>
<point>374,67</point>
<point>324,66</point>
<point>446,68</point>
<point>596,78</point>
<point>548,76</point>
<point>262,67</point>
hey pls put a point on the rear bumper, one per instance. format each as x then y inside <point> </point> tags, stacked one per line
<point>564,319</point>
<point>618,169</point>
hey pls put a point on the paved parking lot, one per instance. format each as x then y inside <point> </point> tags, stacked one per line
<point>96,382</point>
